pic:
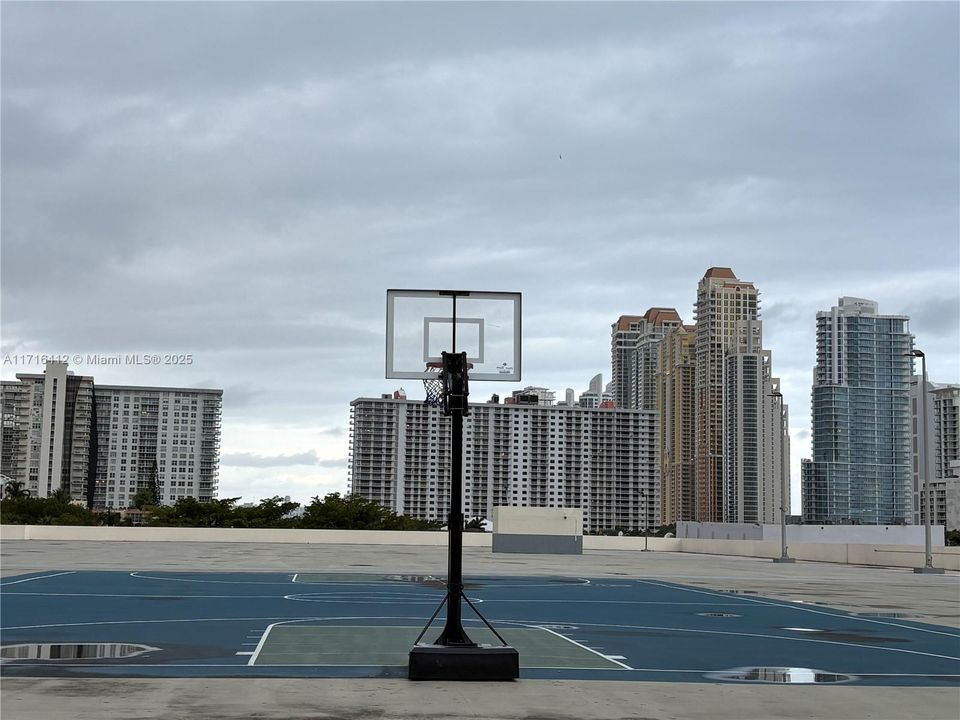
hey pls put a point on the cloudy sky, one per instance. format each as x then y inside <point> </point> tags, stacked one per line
<point>243,182</point>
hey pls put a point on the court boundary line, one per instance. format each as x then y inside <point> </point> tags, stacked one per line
<point>589,649</point>
<point>763,636</point>
<point>414,628</point>
<point>798,606</point>
<point>41,577</point>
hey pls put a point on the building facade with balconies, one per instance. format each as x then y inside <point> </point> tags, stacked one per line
<point>521,455</point>
<point>860,472</point>
<point>101,443</point>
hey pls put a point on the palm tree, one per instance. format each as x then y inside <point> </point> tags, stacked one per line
<point>14,490</point>
<point>61,495</point>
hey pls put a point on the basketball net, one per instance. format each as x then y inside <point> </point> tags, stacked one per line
<point>433,386</point>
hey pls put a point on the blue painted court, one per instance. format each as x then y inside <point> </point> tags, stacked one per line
<point>156,624</point>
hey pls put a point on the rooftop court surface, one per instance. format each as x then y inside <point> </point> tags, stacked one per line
<point>644,627</point>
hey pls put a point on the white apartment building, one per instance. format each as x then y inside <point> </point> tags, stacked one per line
<point>756,439</point>
<point>48,441</point>
<point>941,462</point>
<point>600,460</point>
<point>102,442</point>
<point>176,428</point>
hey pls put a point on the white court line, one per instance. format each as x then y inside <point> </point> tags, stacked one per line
<point>146,622</point>
<point>263,639</point>
<point>584,647</point>
<point>41,577</point>
<point>614,602</point>
<point>243,652</point>
<point>745,634</point>
<point>792,606</point>
<point>119,595</point>
<point>136,574</point>
<point>525,623</point>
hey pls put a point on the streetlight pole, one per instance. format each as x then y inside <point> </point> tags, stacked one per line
<point>784,557</point>
<point>646,522</point>
<point>928,568</point>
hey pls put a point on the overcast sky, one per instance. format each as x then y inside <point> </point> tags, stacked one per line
<point>243,182</point>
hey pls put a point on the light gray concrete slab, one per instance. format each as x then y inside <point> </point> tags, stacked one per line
<point>97,699</point>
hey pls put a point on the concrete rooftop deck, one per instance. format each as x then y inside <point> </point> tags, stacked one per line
<point>931,599</point>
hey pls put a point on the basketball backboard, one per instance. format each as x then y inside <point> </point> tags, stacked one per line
<point>421,324</point>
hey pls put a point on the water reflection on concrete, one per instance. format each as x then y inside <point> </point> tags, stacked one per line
<point>792,676</point>
<point>72,651</point>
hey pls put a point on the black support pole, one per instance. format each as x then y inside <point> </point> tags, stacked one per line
<point>455,365</point>
<point>454,656</point>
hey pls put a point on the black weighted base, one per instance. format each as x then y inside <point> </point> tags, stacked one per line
<point>447,662</point>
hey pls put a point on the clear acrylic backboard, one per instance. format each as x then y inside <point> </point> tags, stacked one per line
<point>420,326</point>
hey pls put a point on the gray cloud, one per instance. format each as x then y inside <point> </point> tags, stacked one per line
<point>252,460</point>
<point>242,181</point>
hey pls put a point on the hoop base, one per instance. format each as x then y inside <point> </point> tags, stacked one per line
<point>447,662</point>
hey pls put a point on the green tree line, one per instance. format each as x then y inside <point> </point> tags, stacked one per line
<point>334,511</point>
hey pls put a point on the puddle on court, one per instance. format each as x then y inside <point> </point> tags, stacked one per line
<point>482,582</point>
<point>844,635</point>
<point>718,614</point>
<point>791,676</point>
<point>430,581</point>
<point>72,651</point>
<point>901,615</point>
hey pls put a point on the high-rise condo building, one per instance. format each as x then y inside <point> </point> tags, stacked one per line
<point>633,353</point>
<point>860,417</point>
<point>756,457</point>
<point>526,455</point>
<point>722,302</point>
<point>675,408</point>
<point>623,357</point>
<point>50,432</point>
<point>102,443</point>
<point>654,324</point>
<point>939,458</point>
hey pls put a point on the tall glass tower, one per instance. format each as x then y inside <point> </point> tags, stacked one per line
<point>860,472</point>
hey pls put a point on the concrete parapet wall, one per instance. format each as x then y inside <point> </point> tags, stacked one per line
<point>614,542</point>
<point>170,534</point>
<point>905,556</point>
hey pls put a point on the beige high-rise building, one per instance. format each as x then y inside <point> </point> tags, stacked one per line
<point>722,302</point>
<point>656,322</point>
<point>675,408</point>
